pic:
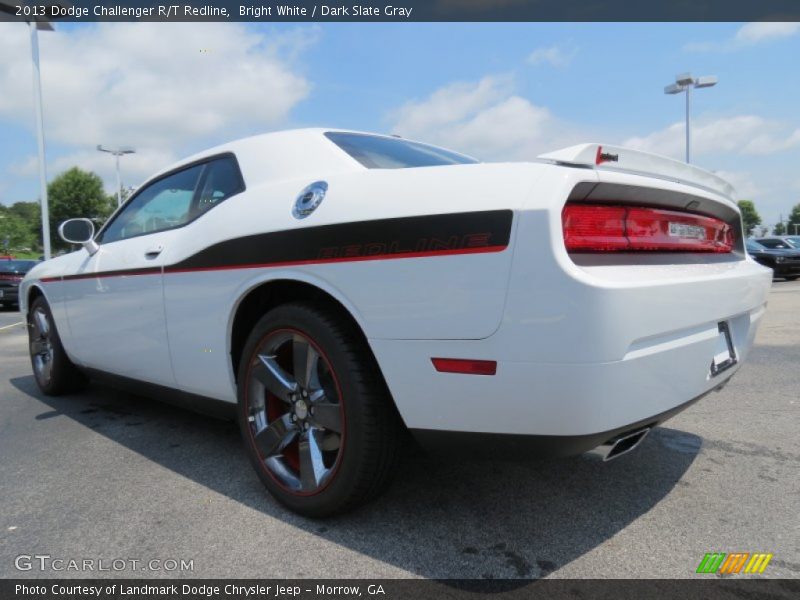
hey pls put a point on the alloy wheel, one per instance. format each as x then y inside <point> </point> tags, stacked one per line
<point>41,345</point>
<point>295,412</point>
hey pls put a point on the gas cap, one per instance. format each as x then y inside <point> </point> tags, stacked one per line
<point>309,199</point>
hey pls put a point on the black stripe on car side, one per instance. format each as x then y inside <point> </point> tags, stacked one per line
<point>404,237</point>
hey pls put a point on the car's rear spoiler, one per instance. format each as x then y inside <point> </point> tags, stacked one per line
<point>616,158</point>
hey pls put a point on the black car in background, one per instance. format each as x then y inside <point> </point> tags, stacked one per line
<point>12,270</point>
<point>784,261</point>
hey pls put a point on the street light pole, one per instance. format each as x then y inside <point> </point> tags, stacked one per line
<point>37,100</point>
<point>117,152</point>
<point>688,125</point>
<point>36,23</point>
<point>685,83</point>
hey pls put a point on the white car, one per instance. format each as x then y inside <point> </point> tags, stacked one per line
<point>337,288</point>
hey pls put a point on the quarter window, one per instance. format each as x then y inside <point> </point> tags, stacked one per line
<point>175,200</point>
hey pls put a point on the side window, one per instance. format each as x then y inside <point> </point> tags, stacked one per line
<point>220,181</point>
<point>164,204</point>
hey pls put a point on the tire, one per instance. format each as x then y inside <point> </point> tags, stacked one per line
<point>54,372</point>
<point>792,278</point>
<point>323,436</point>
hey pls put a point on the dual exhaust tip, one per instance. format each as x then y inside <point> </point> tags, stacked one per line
<point>617,446</point>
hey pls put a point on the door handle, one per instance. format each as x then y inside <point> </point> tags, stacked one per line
<point>153,251</point>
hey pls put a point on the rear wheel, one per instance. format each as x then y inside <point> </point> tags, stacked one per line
<point>54,372</point>
<point>316,417</point>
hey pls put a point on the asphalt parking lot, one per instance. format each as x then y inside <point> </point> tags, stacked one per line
<point>109,475</point>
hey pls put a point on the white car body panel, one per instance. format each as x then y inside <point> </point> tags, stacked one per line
<point>582,346</point>
<point>117,324</point>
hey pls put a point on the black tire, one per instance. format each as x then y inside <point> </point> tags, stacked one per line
<point>54,372</point>
<point>354,464</point>
<point>792,278</point>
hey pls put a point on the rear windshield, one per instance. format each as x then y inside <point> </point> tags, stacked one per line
<point>377,152</point>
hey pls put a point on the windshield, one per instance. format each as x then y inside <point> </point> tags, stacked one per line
<point>775,244</point>
<point>379,152</point>
<point>17,266</point>
<point>794,240</point>
<point>754,246</point>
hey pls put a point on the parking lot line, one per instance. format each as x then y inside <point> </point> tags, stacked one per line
<point>10,326</point>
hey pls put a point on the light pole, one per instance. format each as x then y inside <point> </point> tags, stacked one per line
<point>684,83</point>
<point>117,152</point>
<point>34,25</point>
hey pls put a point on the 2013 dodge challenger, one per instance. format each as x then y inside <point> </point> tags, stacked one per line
<point>337,289</point>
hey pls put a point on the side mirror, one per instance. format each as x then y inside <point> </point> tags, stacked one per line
<point>79,231</point>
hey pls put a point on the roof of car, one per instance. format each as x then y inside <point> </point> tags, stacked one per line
<point>282,155</point>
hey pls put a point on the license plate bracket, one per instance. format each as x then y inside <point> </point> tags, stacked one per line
<point>725,354</point>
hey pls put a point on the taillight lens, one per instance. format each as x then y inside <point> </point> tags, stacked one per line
<point>601,228</point>
<point>16,278</point>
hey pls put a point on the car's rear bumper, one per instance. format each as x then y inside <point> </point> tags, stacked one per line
<point>502,445</point>
<point>598,351</point>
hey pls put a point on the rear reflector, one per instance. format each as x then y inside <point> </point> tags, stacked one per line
<point>602,228</point>
<point>465,366</point>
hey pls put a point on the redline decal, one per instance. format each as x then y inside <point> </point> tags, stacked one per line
<point>383,239</point>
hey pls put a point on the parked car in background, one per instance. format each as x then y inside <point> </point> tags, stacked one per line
<point>782,258</point>
<point>12,272</point>
<point>335,288</point>
<point>780,242</point>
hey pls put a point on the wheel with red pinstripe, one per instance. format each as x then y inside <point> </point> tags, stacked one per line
<point>317,420</point>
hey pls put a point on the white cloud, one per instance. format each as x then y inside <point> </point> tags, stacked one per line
<point>134,168</point>
<point>484,118</point>
<point>743,134</point>
<point>161,87</point>
<point>748,34</point>
<point>752,33</point>
<point>555,56</point>
<point>743,182</point>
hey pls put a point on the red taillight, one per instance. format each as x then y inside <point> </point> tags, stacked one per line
<point>5,277</point>
<point>600,228</point>
<point>465,366</point>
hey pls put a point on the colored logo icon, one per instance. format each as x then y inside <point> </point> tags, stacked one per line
<point>719,562</point>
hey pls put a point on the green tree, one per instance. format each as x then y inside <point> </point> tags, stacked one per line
<point>779,229</point>
<point>76,193</point>
<point>794,219</point>
<point>31,214</point>
<point>15,234</point>
<point>750,216</point>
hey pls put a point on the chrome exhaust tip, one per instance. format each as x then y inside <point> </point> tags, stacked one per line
<point>617,446</point>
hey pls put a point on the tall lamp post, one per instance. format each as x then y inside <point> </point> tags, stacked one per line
<point>684,83</point>
<point>36,24</point>
<point>117,152</point>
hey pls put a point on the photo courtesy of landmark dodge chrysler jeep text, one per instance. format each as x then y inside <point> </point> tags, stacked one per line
<point>337,288</point>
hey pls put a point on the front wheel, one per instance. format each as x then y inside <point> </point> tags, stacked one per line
<point>54,372</point>
<point>317,420</point>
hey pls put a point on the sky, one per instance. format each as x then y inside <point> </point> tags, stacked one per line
<point>506,91</point>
